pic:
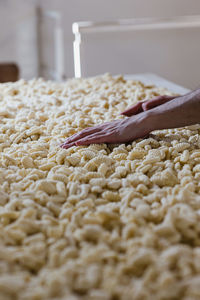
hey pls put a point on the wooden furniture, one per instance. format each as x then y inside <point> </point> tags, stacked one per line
<point>8,72</point>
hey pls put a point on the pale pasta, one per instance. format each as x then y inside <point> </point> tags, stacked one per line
<point>97,222</point>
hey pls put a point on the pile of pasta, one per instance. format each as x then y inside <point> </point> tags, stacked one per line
<point>97,222</point>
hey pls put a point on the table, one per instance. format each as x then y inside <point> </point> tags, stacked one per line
<point>150,78</point>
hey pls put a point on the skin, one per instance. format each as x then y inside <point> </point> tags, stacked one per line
<point>162,112</point>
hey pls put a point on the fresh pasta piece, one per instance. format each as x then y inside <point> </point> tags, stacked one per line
<point>165,178</point>
<point>27,162</point>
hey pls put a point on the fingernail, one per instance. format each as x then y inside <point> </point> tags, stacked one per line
<point>68,146</point>
<point>78,143</point>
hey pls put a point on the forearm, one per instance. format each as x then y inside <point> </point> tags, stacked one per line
<point>180,112</point>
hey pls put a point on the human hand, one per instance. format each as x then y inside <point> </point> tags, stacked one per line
<point>147,105</point>
<point>118,131</point>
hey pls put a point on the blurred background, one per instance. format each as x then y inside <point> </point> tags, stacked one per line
<point>116,36</point>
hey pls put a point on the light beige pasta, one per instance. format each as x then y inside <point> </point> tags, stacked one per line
<point>97,222</point>
<point>27,162</point>
<point>103,168</point>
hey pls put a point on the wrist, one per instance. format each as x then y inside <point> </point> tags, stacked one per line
<point>152,120</point>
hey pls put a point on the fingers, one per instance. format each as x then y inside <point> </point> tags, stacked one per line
<point>147,105</point>
<point>91,135</point>
<point>80,135</point>
<point>133,110</point>
<point>96,139</point>
<point>66,146</point>
<point>93,139</point>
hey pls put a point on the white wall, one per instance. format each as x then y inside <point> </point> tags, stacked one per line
<point>95,10</point>
<point>18,37</point>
